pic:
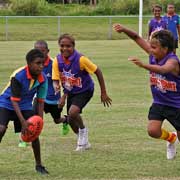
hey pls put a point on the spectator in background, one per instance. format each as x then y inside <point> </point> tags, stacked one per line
<point>157,23</point>
<point>172,21</point>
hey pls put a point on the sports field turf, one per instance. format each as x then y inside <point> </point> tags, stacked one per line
<point>121,148</point>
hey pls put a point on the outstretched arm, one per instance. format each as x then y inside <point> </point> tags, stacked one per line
<point>133,35</point>
<point>171,66</point>
<point>104,97</point>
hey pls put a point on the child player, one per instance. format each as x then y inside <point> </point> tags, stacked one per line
<point>173,24</point>
<point>73,69</point>
<point>16,99</point>
<point>157,23</point>
<point>52,99</point>
<point>164,70</point>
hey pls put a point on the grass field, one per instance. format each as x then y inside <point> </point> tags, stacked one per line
<point>121,148</point>
<point>88,28</point>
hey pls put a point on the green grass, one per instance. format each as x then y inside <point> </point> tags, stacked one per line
<point>121,148</point>
<point>89,28</point>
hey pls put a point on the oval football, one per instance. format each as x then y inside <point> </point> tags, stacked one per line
<point>34,130</point>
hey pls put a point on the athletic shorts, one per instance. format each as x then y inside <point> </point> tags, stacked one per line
<point>53,110</point>
<point>175,44</point>
<point>7,115</point>
<point>161,112</point>
<point>79,100</point>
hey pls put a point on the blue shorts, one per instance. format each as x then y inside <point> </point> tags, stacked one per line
<point>7,115</point>
<point>161,112</point>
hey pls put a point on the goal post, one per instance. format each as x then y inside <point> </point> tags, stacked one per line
<point>140,16</point>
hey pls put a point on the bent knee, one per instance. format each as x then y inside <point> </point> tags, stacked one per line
<point>2,131</point>
<point>154,132</point>
<point>73,111</point>
<point>73,114</point>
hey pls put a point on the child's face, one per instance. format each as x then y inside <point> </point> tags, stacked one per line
<point>157,12</point>
<point>170,9</point>
<point>157,50</point>
<point>42,48</point>
<point>36,67</point>
<point>66,47</point>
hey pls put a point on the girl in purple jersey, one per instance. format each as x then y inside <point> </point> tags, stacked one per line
<point>164,68</point>
<point>73,70</point>
<point>157,23</point>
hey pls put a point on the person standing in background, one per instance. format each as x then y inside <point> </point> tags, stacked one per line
<point>157,23</point>
<point>172,21</point>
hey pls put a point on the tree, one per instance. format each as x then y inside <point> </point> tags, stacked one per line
<point>93,2</point>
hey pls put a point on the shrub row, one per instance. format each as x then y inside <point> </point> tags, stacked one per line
<point>105,7</point>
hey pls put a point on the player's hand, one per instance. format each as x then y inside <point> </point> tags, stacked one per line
<point>56,87</point>
<point>118,28</point>
<point>136,61</point>
<point>61,103</point>
<point>105,99</point>
<point>25,125</point>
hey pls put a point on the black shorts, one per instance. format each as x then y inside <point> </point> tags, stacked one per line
<point>79,100</point>
<point>53,110</point>
<point>161,112</point>
<point>175,43</point>
<point>6,115</point>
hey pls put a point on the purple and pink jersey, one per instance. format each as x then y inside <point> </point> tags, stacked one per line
<point>73,79</point>
<point>165,88</point>
<point>155,25</point>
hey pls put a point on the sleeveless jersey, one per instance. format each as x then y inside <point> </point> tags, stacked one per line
<point>165,88</point>
<point>73,79</point>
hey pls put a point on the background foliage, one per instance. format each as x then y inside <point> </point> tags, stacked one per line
<point>103,7</point>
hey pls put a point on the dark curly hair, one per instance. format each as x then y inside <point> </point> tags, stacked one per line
<point>42,43</point>
<point>156,6</point>
<point>67,36</point>
<point>33,54</point>
<point>165,39</point>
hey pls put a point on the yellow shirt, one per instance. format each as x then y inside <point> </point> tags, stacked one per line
<point>85,64</point>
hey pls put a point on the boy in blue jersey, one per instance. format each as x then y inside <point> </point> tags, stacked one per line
<point>16,99</point>
<point>51,104</point>
<point>52,99</point>
<point>172,20</point>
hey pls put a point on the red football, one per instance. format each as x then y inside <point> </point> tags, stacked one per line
<point>34,129</point>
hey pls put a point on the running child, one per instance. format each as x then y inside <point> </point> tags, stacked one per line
<point>164,69</point>
<point>51,104</point>
<point>73,69</point>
